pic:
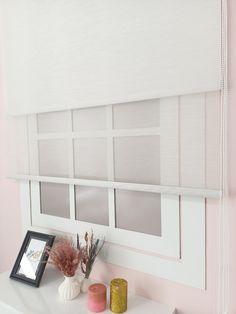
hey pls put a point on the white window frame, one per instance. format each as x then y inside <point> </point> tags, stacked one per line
<point>168,244</point>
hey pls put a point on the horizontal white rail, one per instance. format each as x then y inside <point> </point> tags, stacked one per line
<point>99,133</point>
<point>207,193</point>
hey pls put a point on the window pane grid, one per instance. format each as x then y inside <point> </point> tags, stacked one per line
<point>111,134</point>
<point>91,204</point>
<point>85,138</point>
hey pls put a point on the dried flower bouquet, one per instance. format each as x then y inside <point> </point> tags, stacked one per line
<point>89,252</point>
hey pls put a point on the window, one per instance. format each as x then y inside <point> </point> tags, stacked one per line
<point>110,159</point>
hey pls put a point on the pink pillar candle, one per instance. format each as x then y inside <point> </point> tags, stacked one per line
<point>97,298</point>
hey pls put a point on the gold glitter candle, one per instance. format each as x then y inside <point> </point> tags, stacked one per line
<point>118,295</point>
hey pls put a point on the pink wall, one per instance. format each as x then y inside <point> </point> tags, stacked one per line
<point>187,300</point>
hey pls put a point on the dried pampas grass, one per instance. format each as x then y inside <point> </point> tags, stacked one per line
<point>65,257</point>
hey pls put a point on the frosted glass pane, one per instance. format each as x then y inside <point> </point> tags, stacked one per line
<point>53,158</point>
<point>55,200</point>
<point>138,211</point>
<point>92,205</point>
<point>90,158</point>
<point>53,122</point>
<point>89,119</point>
<point>142,114</point>
<point>137,159</point>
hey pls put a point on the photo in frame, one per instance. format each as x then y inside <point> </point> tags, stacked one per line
<point>32,258</point>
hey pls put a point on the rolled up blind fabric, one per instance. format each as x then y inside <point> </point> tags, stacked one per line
<point>63,55</point>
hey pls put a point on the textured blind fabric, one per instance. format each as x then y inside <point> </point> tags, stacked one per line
<point>63,55</point>
<point>172,141</point>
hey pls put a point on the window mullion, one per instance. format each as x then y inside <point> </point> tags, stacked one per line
<point>71,166</point>
<point>110,165</point>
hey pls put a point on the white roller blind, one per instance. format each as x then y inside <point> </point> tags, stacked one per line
<point>70,54</point>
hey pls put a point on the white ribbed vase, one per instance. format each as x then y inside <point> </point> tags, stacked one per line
<point>69,288</point>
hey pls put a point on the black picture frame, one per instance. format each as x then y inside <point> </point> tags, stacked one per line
<point>32,258</point>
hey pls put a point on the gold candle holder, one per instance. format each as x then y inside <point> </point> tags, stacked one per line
<point>118,295</point>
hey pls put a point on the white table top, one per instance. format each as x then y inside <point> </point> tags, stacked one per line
<point>19,298</point>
